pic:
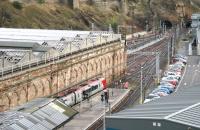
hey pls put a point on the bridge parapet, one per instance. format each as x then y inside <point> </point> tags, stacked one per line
<point>64,47</point>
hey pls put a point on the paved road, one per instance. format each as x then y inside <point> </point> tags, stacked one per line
<point>192,73</point>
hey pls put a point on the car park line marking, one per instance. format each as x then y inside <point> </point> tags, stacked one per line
<point>193,65</point>
<point>181,79</point>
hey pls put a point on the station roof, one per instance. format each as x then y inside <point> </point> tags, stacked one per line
<point>37,34</point>
<point>181,107</point>
<point>34,46</point>
<point>39,114</point>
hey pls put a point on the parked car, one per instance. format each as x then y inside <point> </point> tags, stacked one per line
<point>151,97</point>
<point>175,69</point>
<point>158,94</point>
<point>162,90</point>
<point>180,56</point>
<point>180,63</point>
<point>170,80</point>
<point>170,88</point>
<point>171,74</point>
<point>180,59</point>
<point>167,84</point>
<point>167,73</point>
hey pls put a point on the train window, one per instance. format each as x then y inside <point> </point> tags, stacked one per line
<point>94,87</point>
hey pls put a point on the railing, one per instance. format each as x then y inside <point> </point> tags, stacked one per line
<point>71,47</point>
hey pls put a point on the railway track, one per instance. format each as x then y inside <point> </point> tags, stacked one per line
<point>134,63</point>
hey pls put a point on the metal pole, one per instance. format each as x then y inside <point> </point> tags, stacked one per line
<point>2,72</point>
<point>158,66</point>
<point>45,57</point>
<point>118,29</point>
<point>172,45</point>
<point>168,53</point>
<point>163,28</point>
<point>92,26</point>
<point>141,87</point>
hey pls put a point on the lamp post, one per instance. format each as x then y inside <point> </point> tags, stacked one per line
<point>141,86</point>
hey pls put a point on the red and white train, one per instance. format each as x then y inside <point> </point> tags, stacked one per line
<point>82,93</point>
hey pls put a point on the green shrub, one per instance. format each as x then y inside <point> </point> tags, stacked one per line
<point>41,1</point>
<point>17,5</point>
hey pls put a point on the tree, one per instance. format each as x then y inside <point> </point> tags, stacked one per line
<point>17,5</point>
<point>4,15</point>
<point>41,1</point>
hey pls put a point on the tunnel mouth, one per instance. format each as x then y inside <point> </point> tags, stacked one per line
<point>188,23</point>
<point>167,23</point>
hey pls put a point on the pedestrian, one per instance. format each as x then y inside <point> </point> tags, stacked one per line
<point>102,97</point>
<point>106,95</point>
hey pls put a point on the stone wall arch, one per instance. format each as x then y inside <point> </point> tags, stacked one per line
<point>97,66</point>
<point>47,86</point>
<point>90,69</point>
<point>80,73</point>
<point>22,96</point>
<point>14,99</point>
<point>54,82</point>
<point>84,69</point>
<point>61,79</point>
<point>39,88</point>
<point>74,75</point>
<point>6,101</point>
<point>32,92</point>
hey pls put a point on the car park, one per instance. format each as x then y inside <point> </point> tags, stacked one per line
<point>170,80</point>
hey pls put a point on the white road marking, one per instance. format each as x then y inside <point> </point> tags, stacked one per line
<point>185,84</point>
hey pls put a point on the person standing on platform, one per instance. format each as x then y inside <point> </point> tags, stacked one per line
<point>106,95</point>
<point>102,97</point>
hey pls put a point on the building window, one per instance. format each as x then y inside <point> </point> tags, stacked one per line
<point>159,124</point>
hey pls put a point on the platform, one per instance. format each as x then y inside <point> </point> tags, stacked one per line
<point>94,109</point>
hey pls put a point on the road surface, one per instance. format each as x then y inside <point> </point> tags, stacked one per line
<point>192,73</point>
